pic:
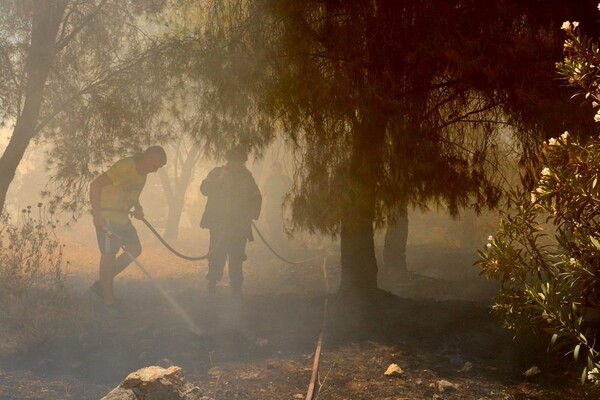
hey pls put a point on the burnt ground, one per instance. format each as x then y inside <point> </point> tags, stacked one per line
<point>262,346</point>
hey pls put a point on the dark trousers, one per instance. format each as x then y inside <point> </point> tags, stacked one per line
<point>224,245</point>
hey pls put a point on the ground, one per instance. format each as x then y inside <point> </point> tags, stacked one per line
<point>436,327</point>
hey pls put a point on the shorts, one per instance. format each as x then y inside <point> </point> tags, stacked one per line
<point>122,235</point>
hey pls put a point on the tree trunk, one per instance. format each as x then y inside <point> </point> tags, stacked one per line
<point>396,236</point>
<point>47,16</point>
<point>175,193</point>
<point>174,215</point>
<point>359,265</point>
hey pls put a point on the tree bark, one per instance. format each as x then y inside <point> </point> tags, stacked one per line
<point>47,17</point>
<point>174,215</point>
<point>175,192</point>
<point>359,265</point>
<point>396,236</point>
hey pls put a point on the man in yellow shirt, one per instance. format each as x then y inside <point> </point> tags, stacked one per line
<point>112,196</point>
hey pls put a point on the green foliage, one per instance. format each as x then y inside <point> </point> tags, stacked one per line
<point>546,253</point>
<point>31,279</point>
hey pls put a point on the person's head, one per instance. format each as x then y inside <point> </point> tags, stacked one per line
<point>237,155</point>
<point>152,159</point>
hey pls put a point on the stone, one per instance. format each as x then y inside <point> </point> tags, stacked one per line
<point>155,383</point>
<point>533,371</point>
<point>215,371</point>
<point>444,386</point>
<point>467,367</point>
<point>393,370</point>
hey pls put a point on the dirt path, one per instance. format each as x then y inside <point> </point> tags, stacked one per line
<point>261,347</point>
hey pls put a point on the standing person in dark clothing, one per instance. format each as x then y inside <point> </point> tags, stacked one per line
<point>234,200</point>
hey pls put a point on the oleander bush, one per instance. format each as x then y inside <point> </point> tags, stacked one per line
<point>546,253</point>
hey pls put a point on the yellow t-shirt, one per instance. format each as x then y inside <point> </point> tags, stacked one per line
<point>123,194</point>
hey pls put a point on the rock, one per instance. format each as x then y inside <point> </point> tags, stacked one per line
<point>533,371</point>
<point>155,383</point>
<point>215,371</point>
<point>393,370</point>
<point>444,386</point>
<point>467,367</point>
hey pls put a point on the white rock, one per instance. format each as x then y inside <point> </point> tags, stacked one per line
<point>155,382</point>
<point>393,370</point>
<point>533,371</point>
<point>443,386</point>
<point>467,367</point>
<point>215,371</point>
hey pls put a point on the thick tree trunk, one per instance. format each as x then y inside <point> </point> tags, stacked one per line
<point>47,17</point>
<point>359,265</point>
<point>396,236</point>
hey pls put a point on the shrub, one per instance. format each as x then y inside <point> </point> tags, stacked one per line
<point>546,253</point>
<point>31,279</point>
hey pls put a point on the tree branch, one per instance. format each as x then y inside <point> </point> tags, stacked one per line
<point>61,44</point>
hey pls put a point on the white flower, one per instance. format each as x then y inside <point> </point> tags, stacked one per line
<point>572,261</point>
<point>564,136</point>
<point>489,245</point>
<point>490,238</point>
<point>552,141</point>
<point>533,197</point>
<point>575,24</point>
<point>597,116</point>
<point>598,6</point>
<point>566,26</point>
<point>546,172</point>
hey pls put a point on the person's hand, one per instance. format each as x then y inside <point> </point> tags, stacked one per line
<point>99,222</point>
<point>138,213</point>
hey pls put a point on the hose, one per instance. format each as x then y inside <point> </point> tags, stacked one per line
<point>168,246</point>
<point>277,254</point>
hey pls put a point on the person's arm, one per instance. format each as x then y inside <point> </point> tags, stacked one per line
<point>95,194</point>
<point>213,181</point>
<point>138,211</point>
